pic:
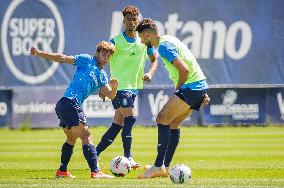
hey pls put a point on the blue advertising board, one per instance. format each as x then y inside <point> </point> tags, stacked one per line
<point>5,107</point>
<point>231,39</point>
<point>275,105</point>
<point>236,106</point>
<point>235,42</point>
<point>228,106</point>
<point>35,108</point>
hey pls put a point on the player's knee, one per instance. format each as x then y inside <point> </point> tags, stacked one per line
<point>71,140</point>
<point>175,125</point>
<point>163,119</point>
<point>87,138</point>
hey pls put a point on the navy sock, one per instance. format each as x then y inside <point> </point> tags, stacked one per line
<point>108,138</point>
<point>163,142</point>
<point>126,135</point>
<point>90,155</point>
<point>66,153</point>
<point>174,140</point>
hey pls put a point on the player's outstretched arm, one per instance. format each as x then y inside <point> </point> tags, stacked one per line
<point>60,58</point>
<point>109,90</point>
<point>147,77</point>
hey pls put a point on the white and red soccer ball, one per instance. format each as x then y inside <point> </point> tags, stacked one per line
<point>120,166</point>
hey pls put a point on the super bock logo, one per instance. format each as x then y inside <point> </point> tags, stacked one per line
<point>31,23</point>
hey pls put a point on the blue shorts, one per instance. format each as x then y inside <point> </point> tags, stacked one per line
<point>123,99</point>
<point>69,112</point>
<point>193,98</point>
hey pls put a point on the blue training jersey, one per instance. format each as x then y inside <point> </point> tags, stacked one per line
<point>87,79</point>
<point>169,51</point>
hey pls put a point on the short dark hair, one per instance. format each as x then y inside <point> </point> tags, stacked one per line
<point>147,24</point>
<point>133,10</point>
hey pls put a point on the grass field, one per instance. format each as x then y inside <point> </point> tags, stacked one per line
<point>218,157</point>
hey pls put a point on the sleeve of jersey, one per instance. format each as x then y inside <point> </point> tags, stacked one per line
<point>82,59</point>
<point>168,51</point>
<point>112,41</point>
<point>103,80</point>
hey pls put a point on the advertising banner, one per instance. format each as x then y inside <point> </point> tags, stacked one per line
<point>5,107</point>
<point>236,106</point>
<point>275,105</point>
<point>235,42</point>
<point>229,45</point>
<point>35,108</point>
<point>230,106</point>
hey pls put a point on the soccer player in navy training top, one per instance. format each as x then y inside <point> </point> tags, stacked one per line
<point>88,78</point>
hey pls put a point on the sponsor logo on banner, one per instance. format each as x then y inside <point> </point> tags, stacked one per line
<point>34,108</point>
<point>3,108</point>
<point>237,111</point>
<point>19,33</point>
<point>95,107</point>
<point>281,104</point>
<point>156,104</point>
<point>232,40</point>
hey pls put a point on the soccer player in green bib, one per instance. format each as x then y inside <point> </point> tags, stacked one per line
<point>190,84</point>
<point>127,66</point>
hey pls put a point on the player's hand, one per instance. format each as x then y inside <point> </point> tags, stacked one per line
<point>33,51</point>
<point>113,83</point>
<point>147,77</point>
<point>206,100</point>
<point>102,96</point>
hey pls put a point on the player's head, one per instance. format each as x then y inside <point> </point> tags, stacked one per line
<point>147,30</point>
<point>104,50</point>
<point>130,17</point>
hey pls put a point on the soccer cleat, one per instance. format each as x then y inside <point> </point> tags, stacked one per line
<point>146,167</point>
<point>61,174</point>
<point>134,164</point>
<point>99,174</point>
<point>153,172</point>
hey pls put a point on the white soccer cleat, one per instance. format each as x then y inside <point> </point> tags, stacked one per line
<point>134,164</point>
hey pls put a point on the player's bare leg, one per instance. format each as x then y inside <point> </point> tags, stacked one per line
<point>173,109</point>
<point>89,150</point>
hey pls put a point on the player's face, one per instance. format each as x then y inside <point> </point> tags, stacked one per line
<point>130,22</point>
<point>145,38</point>
<point>103,57</point>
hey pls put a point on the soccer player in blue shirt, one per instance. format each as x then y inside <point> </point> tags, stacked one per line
<point>88,78</point>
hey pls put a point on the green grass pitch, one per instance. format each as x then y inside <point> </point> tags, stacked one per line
<point>217,156</point>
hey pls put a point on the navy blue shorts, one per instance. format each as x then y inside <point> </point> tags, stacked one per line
<point>193,98</point>
<point>123,99</point>
<point>69,112</point>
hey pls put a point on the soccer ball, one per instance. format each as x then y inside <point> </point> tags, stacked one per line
<point>180,174</point>
<point>120,166</point>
